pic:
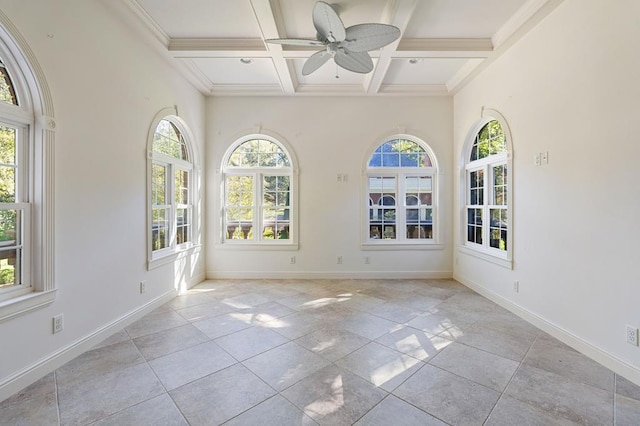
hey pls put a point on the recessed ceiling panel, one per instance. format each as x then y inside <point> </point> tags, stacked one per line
<point>423,71</point>
<point>221,71</point>
<point>203,18</point>
<point>460,18</point>
<point>326,74</point>
<point>299,23</point>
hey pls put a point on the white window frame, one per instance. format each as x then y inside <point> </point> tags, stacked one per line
<point>33,117</point>
<point>485,251</point>
<point>401,242</point>
<point>156,258</point>
<point>258,173</point>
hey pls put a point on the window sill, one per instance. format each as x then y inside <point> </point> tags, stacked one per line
<point>12,308</point>
<point>487,256</point>
<point>240,246</point>
<point>400,246</point>
<point>173,256</point>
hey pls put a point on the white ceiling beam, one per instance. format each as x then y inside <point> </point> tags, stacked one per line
<point>268,22</point>
<point>398,13</point>
<point>197,44</point>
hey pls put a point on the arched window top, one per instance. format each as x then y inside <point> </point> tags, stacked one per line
<point>400,152</point>
<point>7,89</point>
<point>168,140</point>
<point>490,140</point>
<point>258,152</point>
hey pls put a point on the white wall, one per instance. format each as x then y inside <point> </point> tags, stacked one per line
<point>329,136</point>
<point>569,87</point>
<point>106,85</point>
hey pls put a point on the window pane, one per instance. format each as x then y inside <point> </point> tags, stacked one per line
<point>239,191</point>
<point>8,267</point>
<point>7,164</point>
<point>498,228</point>
<point>489,141</point>
<point>500,185</point>
<point>168,140</point>
<point>400,153</point>
<point>474,225</point>
<point>258,153</point>
<point>183,226</point>
<point>276,190</point>
<point>476,187</point>
<point>158,184</point>
<point>7,92</point>
<point>182,187</point>
<point>160,228</point>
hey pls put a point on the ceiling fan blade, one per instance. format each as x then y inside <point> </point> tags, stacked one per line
<point>295,41</point>
<point>315,61</point>
<point>365,37</point>
<point>328,23</point>
<point>359,62</point>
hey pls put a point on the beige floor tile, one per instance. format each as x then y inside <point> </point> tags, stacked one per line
<point>250,342</point>
<point>482,367</point>
<point>158,344</point>
<point>187,365</point>
<point>285,365</point>
<point>332,343</point>
<point>562,397</point>
<point>380,365</point>
<point>448,397</point>
<point>220,396</point>
<point>394,411</point>
<point>334,396</point>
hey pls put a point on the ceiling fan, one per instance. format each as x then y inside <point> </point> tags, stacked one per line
<point>348,47</point>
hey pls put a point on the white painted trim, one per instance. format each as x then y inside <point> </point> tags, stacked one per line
<point>413,246</point>
<point>17,306</point>
<point>214,275</point>
<point>174,256</point>
<point>44,366</point>
<point>594,352</point>
<point>484,254</point>
<point>37,108</point>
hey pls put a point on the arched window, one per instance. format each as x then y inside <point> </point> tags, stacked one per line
<point>171,187</point>
<point>259,192</point>
<point>401,187</point>
<point>27,134</point>
<point>487,187</point>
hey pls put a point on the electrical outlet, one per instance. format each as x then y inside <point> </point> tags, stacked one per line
<point>143,286</point>
<point>544,158</point>
<point>367,260</point>
<point>632,335</point>
<point>516,286</point>
<point>58,323</point>
<point>339,260</point>
<point>292,260</point>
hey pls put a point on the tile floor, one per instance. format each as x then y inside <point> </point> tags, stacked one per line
<point>335,352</point>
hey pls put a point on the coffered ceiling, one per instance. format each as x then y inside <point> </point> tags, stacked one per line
<point>218,45</point>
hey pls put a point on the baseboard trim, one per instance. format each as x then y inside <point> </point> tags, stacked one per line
<point>216,275</point>
<point>594,352</point>
<point>41,368</point>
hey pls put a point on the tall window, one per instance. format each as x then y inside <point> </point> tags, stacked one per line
<point>487,191</point>
<point>171,190</point>
<point>258,192</point>
<point>27,139</point>
<point>401,189</point>
<point>15,209</point>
